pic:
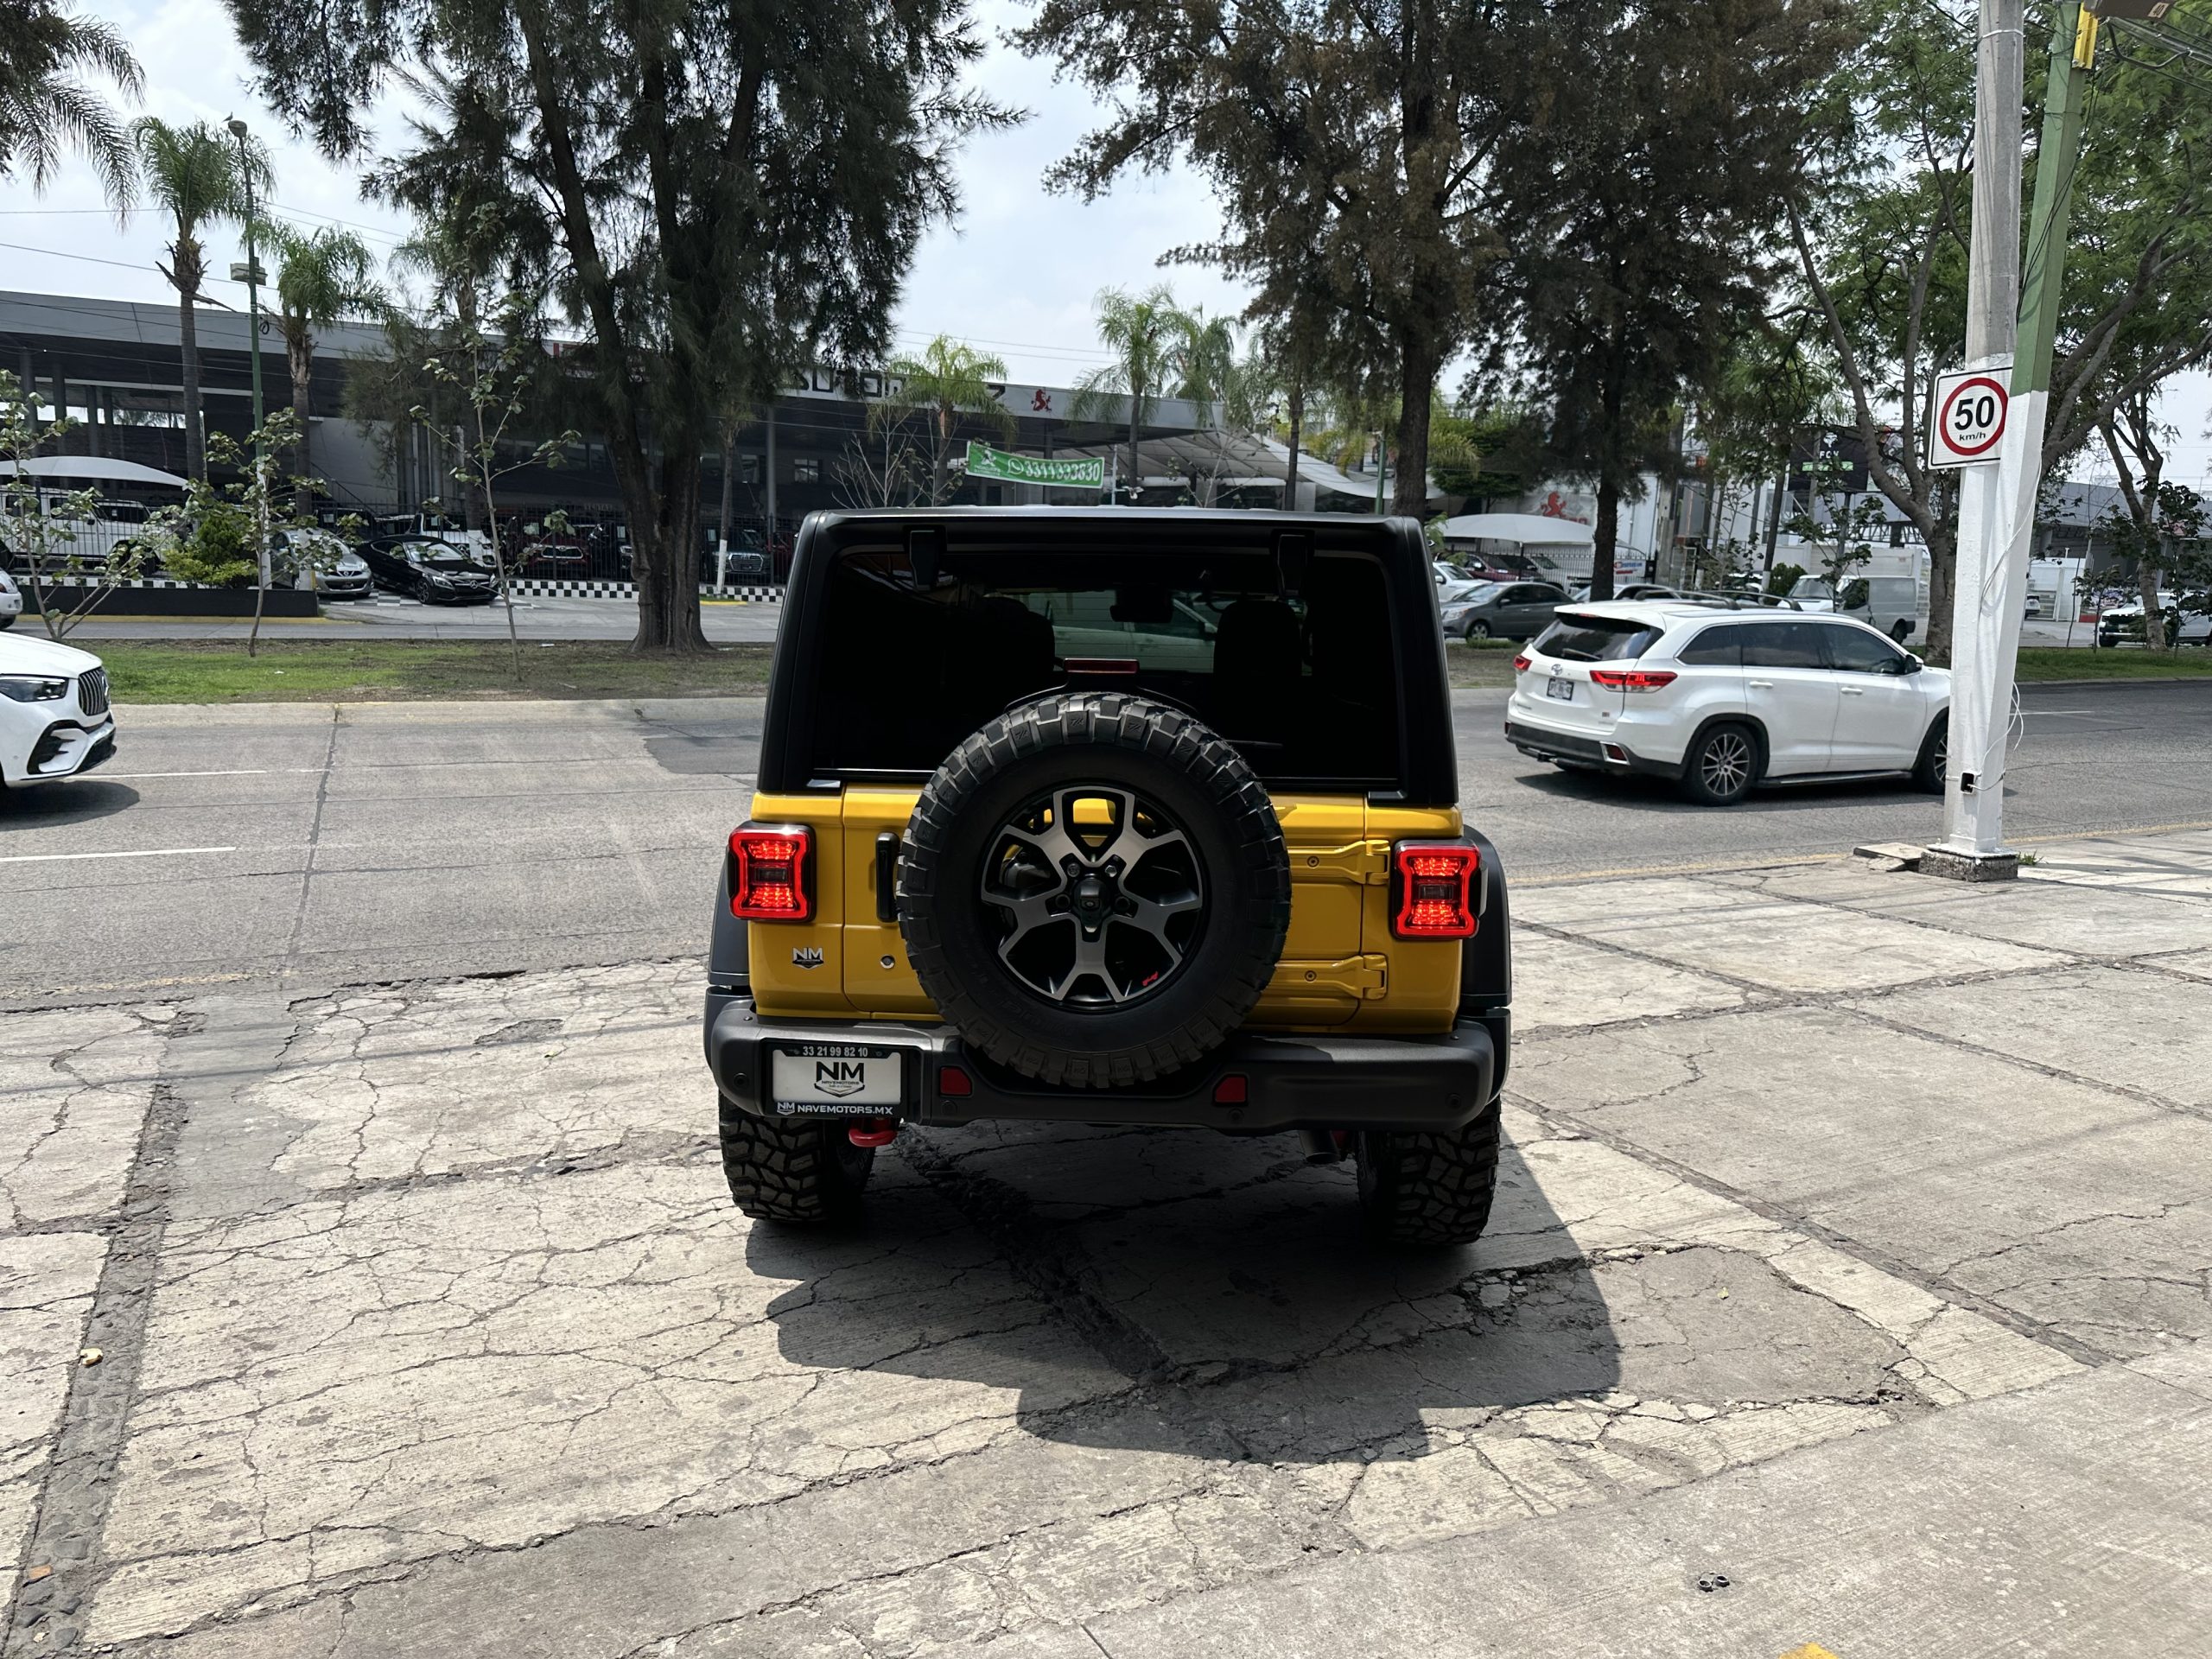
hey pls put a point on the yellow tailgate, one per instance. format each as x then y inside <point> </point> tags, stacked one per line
<point>799,967</point>
<point>1423,994</point>
<point>878,978</point>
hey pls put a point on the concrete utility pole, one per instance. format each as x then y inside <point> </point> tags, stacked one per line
<point>1997,502</point>
<point>1981,655</point>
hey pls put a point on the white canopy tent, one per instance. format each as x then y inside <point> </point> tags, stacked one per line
<point>1228,461</point>
<point>94,469</point>
<point>1528,529</point>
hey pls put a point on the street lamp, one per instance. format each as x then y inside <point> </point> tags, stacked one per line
<point>253,336</point>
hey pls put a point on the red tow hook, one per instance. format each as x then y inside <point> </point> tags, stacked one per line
<point>873,1132</point>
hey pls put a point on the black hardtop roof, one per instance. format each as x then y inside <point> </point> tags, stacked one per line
<point>1428,763</point>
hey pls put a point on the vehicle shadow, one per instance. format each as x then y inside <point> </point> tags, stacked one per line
<point>1226,1280</point>
<point>57,805</point>
<point>1639,792</point>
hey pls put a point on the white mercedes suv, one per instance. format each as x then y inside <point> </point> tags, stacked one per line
<point>1721,695</point>
<point>55,721</point>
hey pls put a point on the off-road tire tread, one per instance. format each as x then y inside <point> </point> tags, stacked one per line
<point>791,1171</point>
<point>1262,874</point>
<point>1430,1187</point>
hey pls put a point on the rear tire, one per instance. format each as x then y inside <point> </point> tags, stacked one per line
<point>794,1171</point>
<point>1935,755</point>
<point>1721,766</point>
<point>1429,1188</point>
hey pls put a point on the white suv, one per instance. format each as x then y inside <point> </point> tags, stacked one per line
<point>55,721</point>
<point>1720,697</point>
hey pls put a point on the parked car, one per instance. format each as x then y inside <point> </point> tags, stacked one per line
<point>748,559</point>
<point>2189,620</point>
<point>321,560</point>
<point>2034,606</point>
<point>1720,698</point>
<point>1024,848</point>
<point>55,719</point>
<point>11,601</point>
<point>433,572</point>
<point>1504,610</point>
<point>1897,605</point>
<point>476,545</point>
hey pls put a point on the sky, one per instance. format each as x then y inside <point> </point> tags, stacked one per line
<point>1016,273</point>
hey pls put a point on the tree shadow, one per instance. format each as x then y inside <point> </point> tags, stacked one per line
<point>1206,1296</point>
<point>64,802</point>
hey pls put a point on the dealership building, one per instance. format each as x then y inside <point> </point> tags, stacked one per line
<point>115,368</point>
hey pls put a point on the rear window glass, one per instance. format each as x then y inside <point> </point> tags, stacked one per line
<point>1304,686</point>
<point>1578,638</point>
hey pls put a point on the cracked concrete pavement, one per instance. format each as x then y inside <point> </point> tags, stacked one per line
<point>424,1328</point>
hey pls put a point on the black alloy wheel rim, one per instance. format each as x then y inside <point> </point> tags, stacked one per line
<point>1725,766</point>
<point>1095,895</point>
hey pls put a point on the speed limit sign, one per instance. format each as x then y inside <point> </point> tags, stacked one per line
<point>1969,417</point>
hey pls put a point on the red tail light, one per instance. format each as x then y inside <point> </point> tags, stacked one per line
<point>1632,679</point>
<point>768,872</point>
<point>1435,890</point>
<point>1521,664</point>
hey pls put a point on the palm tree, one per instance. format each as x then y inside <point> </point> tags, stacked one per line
<point>43,107</point>
<point>948,380</point>
<point>1236,395</point>
<point>1148,336</point>
<point>198,177</point>
<point>321,275</point>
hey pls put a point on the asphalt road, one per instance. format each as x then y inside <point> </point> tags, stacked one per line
<point>317,843</point>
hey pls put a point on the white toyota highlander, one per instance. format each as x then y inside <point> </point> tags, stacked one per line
<point>1720,695</point>
<point>55,721</point>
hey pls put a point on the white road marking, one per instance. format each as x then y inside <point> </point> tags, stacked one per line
<point>151,852</point>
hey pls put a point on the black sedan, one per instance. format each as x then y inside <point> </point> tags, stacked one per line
<point>433,572</point>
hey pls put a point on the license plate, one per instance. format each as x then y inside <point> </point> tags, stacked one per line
<point>833,1078</point>
<point>1559,688</point>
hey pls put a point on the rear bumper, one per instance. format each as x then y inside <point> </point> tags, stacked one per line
<point>1318,1082</point>
<point>1609,754</point>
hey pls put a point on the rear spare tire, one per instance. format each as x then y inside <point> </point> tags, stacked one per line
<point>1093,889</point>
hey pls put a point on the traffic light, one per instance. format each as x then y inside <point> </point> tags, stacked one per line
<point>2143,12</point>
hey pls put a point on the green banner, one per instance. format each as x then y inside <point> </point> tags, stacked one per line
<point>983,461</point>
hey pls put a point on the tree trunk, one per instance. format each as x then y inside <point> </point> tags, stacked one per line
<point>1134,481</point>
<point>1607,535</point>
<point>299,359</point>
<point>1942,571</point>
<point>662,503</point>
<point>195,431</point>
<point>729,482</point>
<point>2146,584</point>
<point>1297,430</point>
<point>1417,361</point>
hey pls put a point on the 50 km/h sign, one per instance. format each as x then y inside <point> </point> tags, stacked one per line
<point>1970,405</point>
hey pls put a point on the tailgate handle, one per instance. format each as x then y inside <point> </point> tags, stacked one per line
<point>886,876</point>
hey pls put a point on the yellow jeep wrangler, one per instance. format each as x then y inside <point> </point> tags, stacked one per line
<point>1111,816</point>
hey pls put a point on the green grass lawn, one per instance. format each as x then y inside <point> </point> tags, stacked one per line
<point>312,671</point>
<point>2120,663</point>
<point>391,670</point>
